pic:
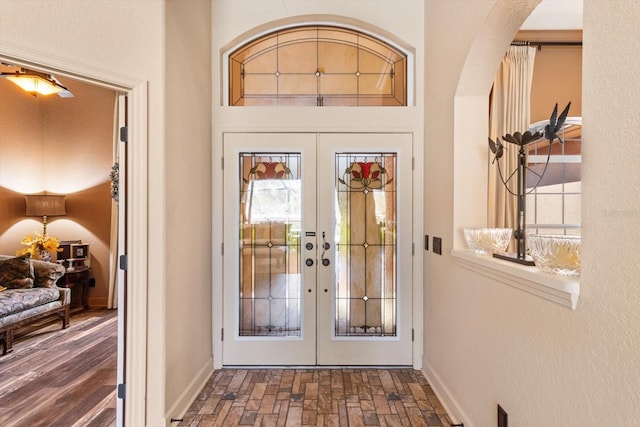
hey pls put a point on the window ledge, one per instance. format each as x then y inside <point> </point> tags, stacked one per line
<point>559,289</point>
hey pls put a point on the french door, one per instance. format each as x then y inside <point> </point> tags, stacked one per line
<point>317,249</point>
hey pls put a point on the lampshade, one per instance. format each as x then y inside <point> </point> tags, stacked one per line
<point>45,205</point>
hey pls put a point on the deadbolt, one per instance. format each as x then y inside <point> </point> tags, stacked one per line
<point>309,246</point>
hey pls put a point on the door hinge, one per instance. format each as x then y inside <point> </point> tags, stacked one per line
<point>222,248</point>
<point>413,249</point>
<point>123,262</point>
<point>221,334</point>
<point>222,162</point>
<point>413,334</point>
<point>121,391</point>
<point>124,134</point>
<point>413,163</point>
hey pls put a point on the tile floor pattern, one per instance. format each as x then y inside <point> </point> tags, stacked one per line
<point>316,397</point>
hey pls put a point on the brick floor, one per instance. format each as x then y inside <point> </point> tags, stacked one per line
<point>316,397</point>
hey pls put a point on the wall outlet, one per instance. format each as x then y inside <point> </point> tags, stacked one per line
<point>426,242</point>
<point>437,245</point>
<point>503,418</point>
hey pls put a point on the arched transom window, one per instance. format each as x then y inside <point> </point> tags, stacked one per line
<point>318,65</point>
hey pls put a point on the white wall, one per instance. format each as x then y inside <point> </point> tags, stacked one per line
<point>189,352</point>
<point>237,20</point>
<point>487,343</point>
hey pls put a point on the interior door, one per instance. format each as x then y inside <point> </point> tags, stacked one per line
<point>317,248</point>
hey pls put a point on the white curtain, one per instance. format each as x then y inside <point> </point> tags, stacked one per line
<point>112,301</point>
<point>509,109</point>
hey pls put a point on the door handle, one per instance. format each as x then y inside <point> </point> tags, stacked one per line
<point>325,247</point>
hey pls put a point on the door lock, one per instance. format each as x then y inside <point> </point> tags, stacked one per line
<point>309,246</point>
<point>309,262</point>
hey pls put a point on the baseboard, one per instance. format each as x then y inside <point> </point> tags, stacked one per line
<point>183,403</point>
<point>97,302</point>
<point>450,404</point>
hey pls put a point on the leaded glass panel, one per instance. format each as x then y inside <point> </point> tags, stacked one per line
<point>270,220</point>
<point>366,257</point>
<point>317,65</point>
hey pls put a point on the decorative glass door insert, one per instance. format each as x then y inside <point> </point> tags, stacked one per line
<point>269,224</point>
<point>365,244</point>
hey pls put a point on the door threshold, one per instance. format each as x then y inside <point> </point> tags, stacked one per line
<point>317,367</point>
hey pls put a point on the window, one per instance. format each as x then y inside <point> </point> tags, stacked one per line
<point>317,65</point>
<point>554,206</point>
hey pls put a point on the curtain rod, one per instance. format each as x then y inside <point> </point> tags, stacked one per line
<point>541,43</point>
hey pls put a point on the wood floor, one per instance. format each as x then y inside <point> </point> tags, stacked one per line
<point>67,378</point>
<point>316,397</point>
<point>62,378</point>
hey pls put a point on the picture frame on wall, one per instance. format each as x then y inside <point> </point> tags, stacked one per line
<point>79,251</point>
<point>65,245</point>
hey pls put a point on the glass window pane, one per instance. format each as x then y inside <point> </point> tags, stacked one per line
<point>338,84</point>
<point>549,209</point>
<point>266,62</point>
<point>572,211</point>
<point>375,85</point>
<point>337,58</point>
<point>260,84</point>
<point>297,84</point>
<point>300,57</point>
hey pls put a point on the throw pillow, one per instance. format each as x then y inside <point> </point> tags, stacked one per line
<point>46,274</point>
<point>17,273</point>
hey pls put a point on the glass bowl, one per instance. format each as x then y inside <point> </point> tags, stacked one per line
<point>487,240</point>
<point>557,254</point>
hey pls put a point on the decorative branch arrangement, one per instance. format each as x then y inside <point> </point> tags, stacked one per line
<point>522,140</point>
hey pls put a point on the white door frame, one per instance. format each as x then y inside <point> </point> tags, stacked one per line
<point>137,219</point>
<point>218,214</point>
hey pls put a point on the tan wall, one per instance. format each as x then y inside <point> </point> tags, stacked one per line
<point>62,146</point>
<point>557,77</point>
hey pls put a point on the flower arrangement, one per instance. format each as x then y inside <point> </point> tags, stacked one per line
<point>36,242</point>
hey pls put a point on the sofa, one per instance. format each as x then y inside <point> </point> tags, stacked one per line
<point>28,293</point>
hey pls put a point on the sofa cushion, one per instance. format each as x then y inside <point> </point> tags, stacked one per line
<point>17,300</point>
<point>17,273</point>
<point>46,274</point>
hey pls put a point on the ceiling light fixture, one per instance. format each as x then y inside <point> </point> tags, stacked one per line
<point>36,83</point>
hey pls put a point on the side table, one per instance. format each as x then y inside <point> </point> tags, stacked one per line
<point>77,278</point>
